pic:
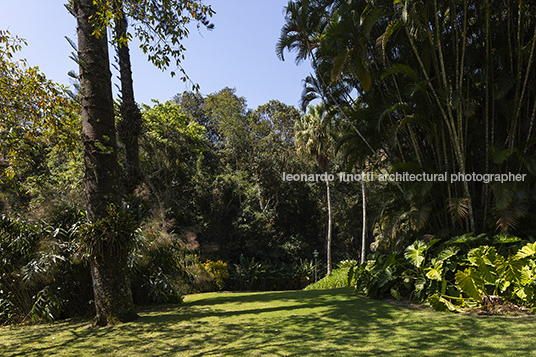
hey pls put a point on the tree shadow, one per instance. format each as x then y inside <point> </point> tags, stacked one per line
<point>298,323</point>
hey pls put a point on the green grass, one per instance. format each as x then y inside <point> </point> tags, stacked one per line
<point>295,323</point>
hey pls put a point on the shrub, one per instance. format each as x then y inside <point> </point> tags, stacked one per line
<point>464,271</point>
<point>218,271</point>
<point>337,279</point>
<point>161,268</point>
<point>34,256</point>
<point>252,275</point>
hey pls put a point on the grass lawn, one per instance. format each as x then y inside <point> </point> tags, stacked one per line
<point>292,323</point>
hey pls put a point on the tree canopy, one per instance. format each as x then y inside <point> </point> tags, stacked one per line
<point>430,87</point>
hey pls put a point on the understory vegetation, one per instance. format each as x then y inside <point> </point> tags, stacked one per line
<point>462,272</point>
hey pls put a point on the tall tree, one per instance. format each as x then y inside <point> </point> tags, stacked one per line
<point>166,21</point>
<point>441,89</point>
<point>129,127</point>
<point>33,110</point>
<point>314,139</point>
<point>109,269</point>
<point>273,127</point>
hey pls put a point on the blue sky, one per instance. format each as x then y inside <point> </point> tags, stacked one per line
<point>239,52</point>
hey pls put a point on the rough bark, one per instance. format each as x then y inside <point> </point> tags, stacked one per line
<point>129,128</point>
<point>113,298</point>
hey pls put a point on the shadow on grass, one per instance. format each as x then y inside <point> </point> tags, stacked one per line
<point>293,323</point>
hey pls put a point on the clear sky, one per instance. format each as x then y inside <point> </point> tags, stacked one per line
<point>239,52</point>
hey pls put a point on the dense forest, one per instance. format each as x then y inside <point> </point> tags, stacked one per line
<point>412,153</point>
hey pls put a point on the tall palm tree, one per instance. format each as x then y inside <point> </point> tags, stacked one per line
<point>445,86</point>
<point>314,139</point>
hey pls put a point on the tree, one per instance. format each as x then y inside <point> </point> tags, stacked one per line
<point>160,26</point>
<point>34,113</point>
<point>314,139</point>
<point>109,269</point>
<point>165,21</point>
<point>129,126</point>
<point>440,90</point>
<point>171,145</point>
<point>273,127</point>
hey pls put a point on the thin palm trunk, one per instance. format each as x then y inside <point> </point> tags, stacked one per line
<point>364,229</point>
<point>328,238</point>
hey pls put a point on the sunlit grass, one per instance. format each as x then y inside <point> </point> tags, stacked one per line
<point>294,323</point>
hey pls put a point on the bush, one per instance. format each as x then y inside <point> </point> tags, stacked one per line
<point>252,275</point>
<point>34,257</point>
<point>161,267</point>
<point>218,271</point>
<point>464,271</point>
<point>337,279</point>
<point>45,275</point>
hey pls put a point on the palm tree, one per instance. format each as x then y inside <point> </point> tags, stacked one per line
<point>314,139</point>
<point>302,32</point>
<point>443,86</point>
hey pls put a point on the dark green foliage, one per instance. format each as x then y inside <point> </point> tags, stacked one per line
<point>44,276</point>
<point>160,269</point>
<point>45,273</point>
<point>114,233</point>
<point>17,242</point>
<point>253,275</point>
<point>428,87</point>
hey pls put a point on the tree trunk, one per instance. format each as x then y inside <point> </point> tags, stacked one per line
<point>364,229</point>
<point>111,286</point>
<point>129,128</point>
<point>328,238</point>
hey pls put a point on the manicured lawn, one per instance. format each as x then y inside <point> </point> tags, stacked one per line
<point>295,323</point>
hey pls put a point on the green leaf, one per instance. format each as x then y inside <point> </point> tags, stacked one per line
<point>526,278</point>
<point>525,293</point>
<point>471,283</point>
<point>420,283</point>
<point>527,251</point>
<point>400,69</point>
<point>448,252</point>
<point>509,269</point>
<point>504,285</point>
<point>484,257</point>
<point>466,238</point>
<point>436,271</point>
<point>499,156</point>
<point>505,238</point>
<point>415,253</point>
<point>439,303</point>
<point>434,274</point>
<point>368,20</point>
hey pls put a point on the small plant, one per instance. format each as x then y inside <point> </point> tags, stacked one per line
<point>218,271</point>
<point>253,275</point>
<point>112,234</point>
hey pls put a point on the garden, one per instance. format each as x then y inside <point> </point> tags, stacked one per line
<point>390,213</point>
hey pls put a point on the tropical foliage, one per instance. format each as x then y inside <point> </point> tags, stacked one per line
<point>463,272</point>
<point>429,87</point>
